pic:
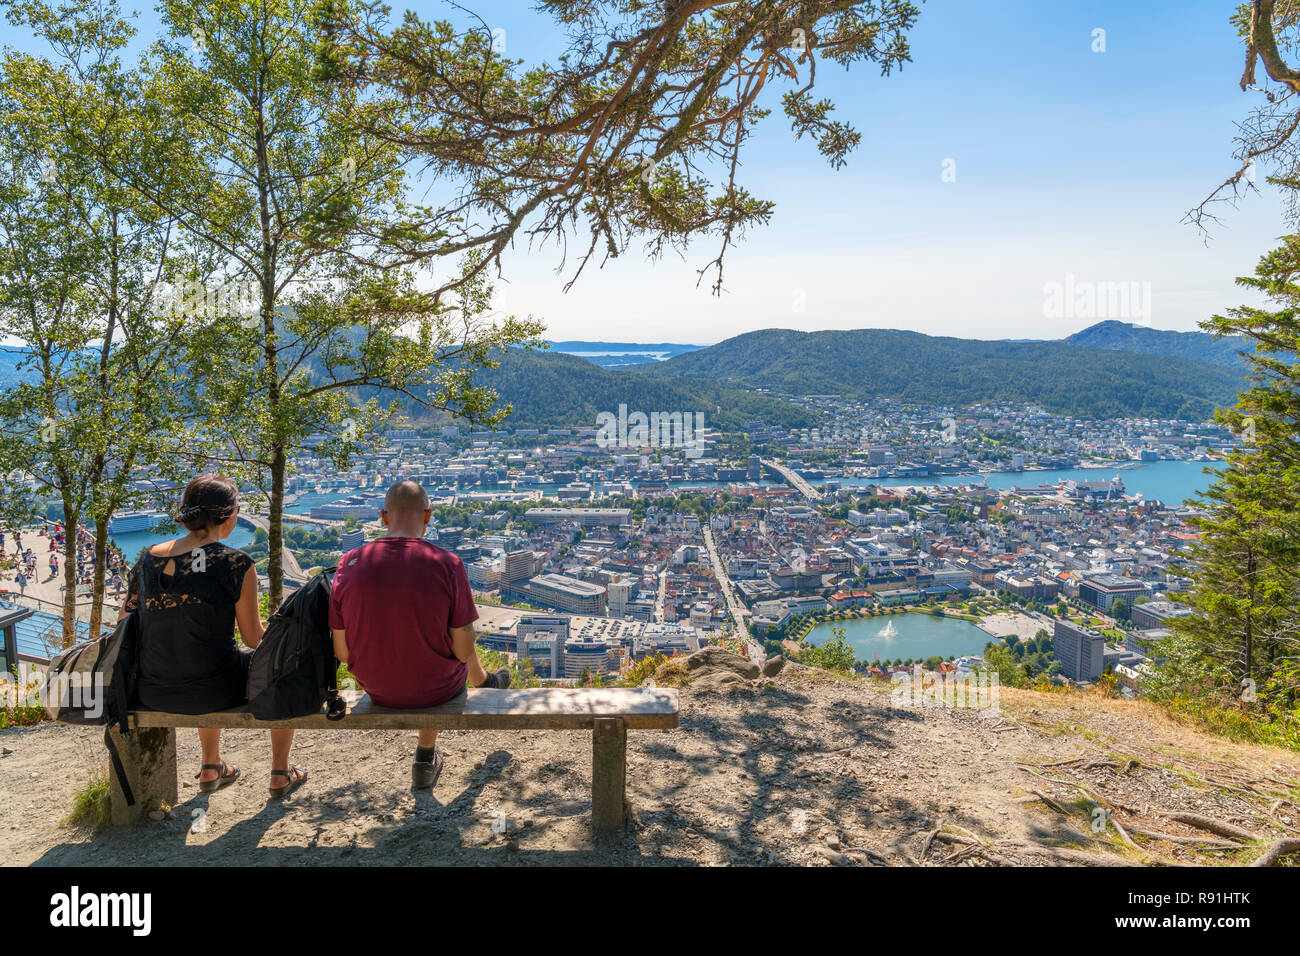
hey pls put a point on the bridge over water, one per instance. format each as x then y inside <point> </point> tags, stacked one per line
<point>794,480</point>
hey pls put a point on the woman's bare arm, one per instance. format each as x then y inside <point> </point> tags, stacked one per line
<point>246,611</point>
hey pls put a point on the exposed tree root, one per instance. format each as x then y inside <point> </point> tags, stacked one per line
<point>1204,843</point>
<point>1276,850</point>
<point>1210,824</point>
<point>1039,795</point>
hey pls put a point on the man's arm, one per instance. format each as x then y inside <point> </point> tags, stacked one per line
<point>462,642</point>
<point>340,645</point>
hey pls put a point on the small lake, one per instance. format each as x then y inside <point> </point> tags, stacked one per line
<point>915,636</point>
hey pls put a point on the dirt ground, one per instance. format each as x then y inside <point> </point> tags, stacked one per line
<point>800,769</point>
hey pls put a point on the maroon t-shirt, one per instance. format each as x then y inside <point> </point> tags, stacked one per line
<point>397,600</point>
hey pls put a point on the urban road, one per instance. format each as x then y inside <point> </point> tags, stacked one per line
<point>733,605</point>
<point>293,572</point>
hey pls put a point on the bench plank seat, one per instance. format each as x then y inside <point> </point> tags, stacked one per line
<point>149,753</point>
<point>533,708</point>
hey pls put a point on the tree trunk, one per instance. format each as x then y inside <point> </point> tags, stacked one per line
<point>1247,670</point>
<point>69,576</point>
<point>275,531</point>
<point>101,562</point>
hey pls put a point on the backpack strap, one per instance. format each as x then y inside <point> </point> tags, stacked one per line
<point>336,707</point>
<point>118,770</point>
<point>126,671</point>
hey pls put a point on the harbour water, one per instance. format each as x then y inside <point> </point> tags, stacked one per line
<point>1168,481</point>
<point>133,542</point>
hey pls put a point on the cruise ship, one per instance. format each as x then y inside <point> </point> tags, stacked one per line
<point>364,506</point>
<point>127,522</point>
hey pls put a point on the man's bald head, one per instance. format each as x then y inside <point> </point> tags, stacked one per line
<point>406,498</point>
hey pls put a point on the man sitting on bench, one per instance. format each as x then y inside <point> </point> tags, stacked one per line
<point>402,614</point>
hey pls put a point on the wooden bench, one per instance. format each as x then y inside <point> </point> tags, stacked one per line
<point>149,752</point>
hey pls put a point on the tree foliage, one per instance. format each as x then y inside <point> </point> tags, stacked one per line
<point>634,132</point>
<point>1241,647</point>
<point>96,397</point>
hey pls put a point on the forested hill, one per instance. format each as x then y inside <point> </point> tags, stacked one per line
<point>551,388</point>
<point>1136,338</point>
<point>909,366</point>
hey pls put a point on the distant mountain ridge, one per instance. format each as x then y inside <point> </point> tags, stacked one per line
<point>1124,336</point>
<point>1062,377</point>
<point>575,345</point>
<point>1073,376</point>
<point>549,388</point>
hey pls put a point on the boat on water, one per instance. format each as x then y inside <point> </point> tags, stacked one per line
<point>128,522</point>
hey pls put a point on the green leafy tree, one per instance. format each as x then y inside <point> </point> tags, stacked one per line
<point>621,136</point>
<point>96,401</point>
<point>299,223</point>
<point>999,658</point>
<point>835,654</point>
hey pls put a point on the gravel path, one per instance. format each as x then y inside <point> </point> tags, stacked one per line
<point>802,769</point>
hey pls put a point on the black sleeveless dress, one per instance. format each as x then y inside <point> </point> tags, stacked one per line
<point>189,660</point>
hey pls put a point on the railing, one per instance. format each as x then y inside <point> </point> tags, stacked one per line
<point>12,599</point>
<point>52,639</point>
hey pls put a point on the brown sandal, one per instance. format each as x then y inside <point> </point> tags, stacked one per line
<point>297,777</point>
<point>226,775</point>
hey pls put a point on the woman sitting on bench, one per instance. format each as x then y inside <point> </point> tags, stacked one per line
<point>190,593</point>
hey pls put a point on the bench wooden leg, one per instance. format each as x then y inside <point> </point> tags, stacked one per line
<point>608,774</point>
<point>149,759</point>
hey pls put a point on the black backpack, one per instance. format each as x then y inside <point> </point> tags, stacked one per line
<point>294,671</point>
<point>93,682</point>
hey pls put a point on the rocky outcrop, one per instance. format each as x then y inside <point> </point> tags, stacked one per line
<point>717,658</point>
<point>713,668</point>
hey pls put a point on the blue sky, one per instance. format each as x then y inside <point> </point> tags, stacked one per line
<point>1067,162</point>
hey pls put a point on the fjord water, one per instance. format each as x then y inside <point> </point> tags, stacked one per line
<point>917,636</point>
<point>133,542</point>
<point>1171,482</point>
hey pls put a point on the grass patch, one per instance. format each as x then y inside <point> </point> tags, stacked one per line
<point>1237,725</point>
<point>672,674</point>
<point>642,670</point>
<point>16,709</point>
<point>90,804</point>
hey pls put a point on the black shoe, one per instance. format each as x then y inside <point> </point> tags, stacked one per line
<point>499,680</point>
<point>424,774</point>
